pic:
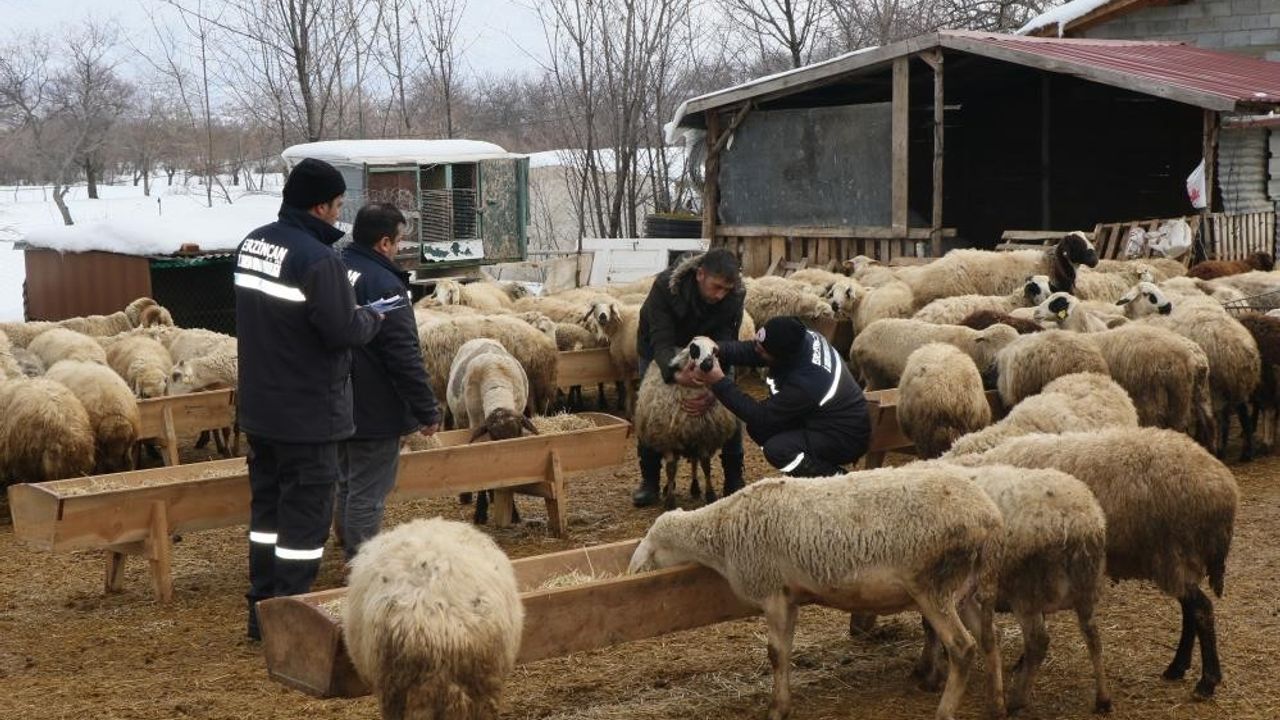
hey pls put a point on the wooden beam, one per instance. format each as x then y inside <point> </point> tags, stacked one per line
<point>901,133</point>
<point>865,232</point>
<point>1210,158</point>
<point>711,177</point>
<point>934,58</point>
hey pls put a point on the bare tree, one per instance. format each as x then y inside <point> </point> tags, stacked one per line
<point>437,23</point>
<point>793,25</point>
<point>67,107</point>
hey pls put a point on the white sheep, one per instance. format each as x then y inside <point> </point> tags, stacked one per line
<point>486,295</point>
<point>889,300</point>
<point>488,390</point>
<point>880,351</point>
<point>112,409</point>
<point>940,398</point>
<point>1066,312</point>
<point>1161,269</point>
<point>772,296</point>
<point>144,364</point>
<point>63,344</point>
<point>1075,402</point>
<point>662,424</point>
<point>1053,552</point>
<point>22,333</point>
<point>1108,286</point>
<point>819,279</point>
<point>983,272</point>
<point>44,432</point>
<point>143,312</point>
<point>620,324</point>
<point>9,365</point>
<point>1026,365</point>
<point>440,341</point>
<point>951,310</point>
<point>219,369</point>
<point>879,541</point>
<point>1170,509</point>
<point>433,620</point>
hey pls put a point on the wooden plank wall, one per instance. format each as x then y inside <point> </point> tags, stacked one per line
<point>1236,237</point>
<point>758,247</point>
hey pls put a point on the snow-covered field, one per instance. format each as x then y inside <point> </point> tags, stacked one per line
<point>123,220</point>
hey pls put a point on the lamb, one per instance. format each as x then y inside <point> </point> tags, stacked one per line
<point>1065,311</point>
<point>1075,402</point>
<point>63,344</point>
<point>1031,362</point>
<point>44,432</point>
<point>983,319</point>
<point>662,424</point>
<point>209,372</point>
<point>1052,558</point>
<point>770,297</point>
<point>485,296</point>
<point>940,398</point>
<point>621,325</point>
<point>144,364</point>
<point>1234,362</point>
<point>112,409</point>
<point>1211,269</point>
<point>951,310</point>
<point>440,341</point>
<point>1170,509</point>
<point>878,541</point>
<point>433,620</point>
<point>982,272</point>
<point>880,351</point>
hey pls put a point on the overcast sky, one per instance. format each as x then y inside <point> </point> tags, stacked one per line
<point>498,35</point>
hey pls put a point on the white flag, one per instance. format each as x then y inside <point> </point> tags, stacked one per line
<point>1195,187</point>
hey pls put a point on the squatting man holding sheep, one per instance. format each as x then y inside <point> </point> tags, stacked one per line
<point>700,296</point>
<point>296,320</point>
<point>815,419</point>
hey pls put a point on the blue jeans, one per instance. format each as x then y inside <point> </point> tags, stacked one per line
<point>368,473</point>
<point>731,455</point>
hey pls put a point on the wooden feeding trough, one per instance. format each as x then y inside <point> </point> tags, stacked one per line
<point>887,435</point>
<point>164,418</point>
<point>302,634</point>
<point>138,512</point>
<point>583,368</point>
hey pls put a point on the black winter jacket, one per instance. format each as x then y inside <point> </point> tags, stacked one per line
<point>392,395</point>
<point>812,390</point>
<point>296,320</point>
<point>675,313</point>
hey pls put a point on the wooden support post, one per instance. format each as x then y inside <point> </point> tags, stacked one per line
<point>1210,159</point>
<point>158,548</point>
<point>170,437</point>
<point>901,129</point>
<point>557,512</point>
<point>711,181</point>
<point>115,571</point>
<point>934,59</point>
<point>504,506</point>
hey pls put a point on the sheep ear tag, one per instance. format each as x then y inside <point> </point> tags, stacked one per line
<point>1062,314</point>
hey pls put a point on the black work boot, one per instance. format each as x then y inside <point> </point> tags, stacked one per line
<point>646,494</point>
<point>732,466</point>
<point>254,632</point>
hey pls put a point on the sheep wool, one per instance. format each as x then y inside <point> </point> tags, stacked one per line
<point>771,296</point>
<point>488,389</point>
<point>63,344</point>
<point>44,432</point>
<point>880,351</point>
<point>9,366</point>
<point>440,342</point>
<point>433,620</point>
<point>940,398</point>
<point>112,409</point>
<point>144,364</point>
<point>1029,363</point>
<point>877,541</point>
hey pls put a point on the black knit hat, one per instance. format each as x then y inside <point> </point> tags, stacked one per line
<point>782,336</point>
<point>312,182</point>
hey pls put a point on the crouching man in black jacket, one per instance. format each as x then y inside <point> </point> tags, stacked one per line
<point>296,320</point>
<point>815,419</point>
<point>392,395</point>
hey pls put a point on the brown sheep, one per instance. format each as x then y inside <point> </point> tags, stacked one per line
<point>1210,269</point>
<point>983,319</point>
<point>1266,396</point>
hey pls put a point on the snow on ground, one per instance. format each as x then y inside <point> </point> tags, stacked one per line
<point>123,220</point>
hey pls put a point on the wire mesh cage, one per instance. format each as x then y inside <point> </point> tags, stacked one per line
<point>1261,303</point>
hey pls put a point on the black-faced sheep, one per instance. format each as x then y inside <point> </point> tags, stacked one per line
<point>44,432</point>
<point>880,541</point>
<point>1211,269</point>
<point>433,620</point>
<point>1070,403</point>
<point>1066,312</point>
<point>1170,509</point>
<point>662,424</point>
<point>940,398</point>
<point>1266,398</point>
<point>112,409</point>
<point>880,351</point>
<point>983,272</point>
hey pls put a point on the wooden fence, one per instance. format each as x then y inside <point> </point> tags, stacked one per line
<point>760,247</point>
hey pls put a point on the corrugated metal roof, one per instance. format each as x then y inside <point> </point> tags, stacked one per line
<point>1209,79</point>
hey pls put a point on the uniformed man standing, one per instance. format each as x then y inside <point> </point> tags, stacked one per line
<point>296,322</point>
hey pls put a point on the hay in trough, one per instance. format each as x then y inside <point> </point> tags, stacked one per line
<point>574,577</point>
<point>98,484</point>
<point>561,423</point>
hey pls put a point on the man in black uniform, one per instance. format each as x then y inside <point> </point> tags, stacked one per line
<point>296,320</point>
<point>701,295</point>
<point>392,394</point>
<point>815,418</point>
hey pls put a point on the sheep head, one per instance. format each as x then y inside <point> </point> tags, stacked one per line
<point>148,381</point>
<point>845,295</point>
<point>448,292</point>
<point>1077,248</point>
<point>1036,289</point>
<point>1056,308</point>
<point>1144,299</point>
<point>504,424</point>
<point>154,316</point>
<point>604,313</point>
<point>986,345</point>
<point>186,378</point>
<point>134,310</point>
<point>701,351</point>
<point>653,554</point>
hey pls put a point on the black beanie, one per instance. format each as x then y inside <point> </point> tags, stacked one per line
<point>312,182</point>
<point>782,336</point>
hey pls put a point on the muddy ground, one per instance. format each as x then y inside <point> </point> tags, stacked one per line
<point>67,650</point>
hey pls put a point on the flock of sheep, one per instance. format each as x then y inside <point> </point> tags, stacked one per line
<point>69,390</point>
<point>1118,378</point>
